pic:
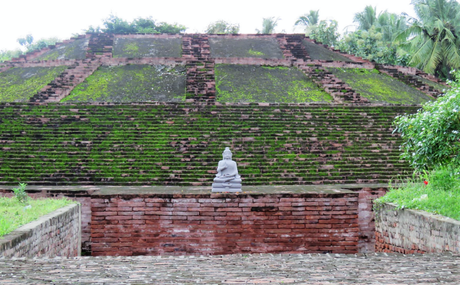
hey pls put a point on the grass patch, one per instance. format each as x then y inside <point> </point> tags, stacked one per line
<point>14,214</point>
<point>436,192</point>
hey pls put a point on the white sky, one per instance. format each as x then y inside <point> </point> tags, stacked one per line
<point>62,18</point>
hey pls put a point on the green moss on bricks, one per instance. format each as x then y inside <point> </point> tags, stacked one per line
<point>379,88</point>
<point>72,50</point>
<point>250,83</point>
<point>19,84</point>
<point>131,83</point>
<point>148,47</point>
<point>316,51</point>
<point>233,47</point>
<point>255,53</point>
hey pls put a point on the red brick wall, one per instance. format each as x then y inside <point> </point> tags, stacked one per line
<point>178,224</point>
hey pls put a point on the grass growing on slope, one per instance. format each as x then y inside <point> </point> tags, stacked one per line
<point>436,192</point>
<point>14,214</point>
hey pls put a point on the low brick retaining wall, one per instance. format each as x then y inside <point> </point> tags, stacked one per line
<point>83,194</point>
<point>55,234</point>
<point>413,231</point>
<point>178,224</point>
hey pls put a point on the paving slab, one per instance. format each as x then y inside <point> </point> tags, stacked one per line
<point>236,269</point>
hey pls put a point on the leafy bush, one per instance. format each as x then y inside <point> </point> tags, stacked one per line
<point>20,193</point>
<point>432,135</point>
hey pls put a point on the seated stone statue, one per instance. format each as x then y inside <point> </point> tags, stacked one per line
<point>227,178</point>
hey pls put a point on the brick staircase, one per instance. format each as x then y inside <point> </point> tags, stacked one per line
<point>62,85</point>
<point>201,84</point>
<point>180,144</point>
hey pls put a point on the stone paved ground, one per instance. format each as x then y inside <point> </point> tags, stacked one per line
<point>236,269</point>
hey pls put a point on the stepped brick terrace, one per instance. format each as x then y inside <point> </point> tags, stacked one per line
<point>146,110</point>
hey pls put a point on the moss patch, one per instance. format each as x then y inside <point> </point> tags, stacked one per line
<point>131,83</point>
<point>379,88</point>
<point>136,48</point>
<point>250,83</point>
<point>318,52</point>
<point>435,85</point>
<point>73,50</point>
<point>19,84</point>
<point>230,47</point>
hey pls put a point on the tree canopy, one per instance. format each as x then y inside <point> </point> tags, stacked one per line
<point>433,37</point>
<point>116,25</point>
<point>222,27</point>
<point>268,25</point>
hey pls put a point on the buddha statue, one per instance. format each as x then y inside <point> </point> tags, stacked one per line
<point>227,178</point>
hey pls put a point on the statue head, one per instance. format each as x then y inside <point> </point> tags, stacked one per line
<point>227,154</point>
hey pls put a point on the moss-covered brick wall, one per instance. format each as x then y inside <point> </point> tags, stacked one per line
<point>180,144</point>
<point>430,83</point>
<point>72,50</point>
<point>318,52</point>
<point>252,83</point>
<point>19,84</point>
<point>379,87</point>
<point>147,47</point>
<point>132,83</point>
<point>245,47</point>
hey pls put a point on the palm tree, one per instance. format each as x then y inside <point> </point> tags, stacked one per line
<point>390,25</point>
<point>434,37</point>
<point>268,25</point>
<point>366,19</point>
<point>308,20</point>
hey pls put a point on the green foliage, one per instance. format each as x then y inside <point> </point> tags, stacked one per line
<point>116,25</point>
<point>222,27</point>
<point>325,32</point>
<point>13,214</point>
<point>30,45</point>
<point>371,46</point>
<point>268,25</point>
<point>6,55</point>
<point>308,21</point>
<point>21,194</point>
<point>431,137</point>
<point>433,39</point>
<point>440,194</point>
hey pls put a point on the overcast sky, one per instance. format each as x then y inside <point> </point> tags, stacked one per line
<point>62,18</point>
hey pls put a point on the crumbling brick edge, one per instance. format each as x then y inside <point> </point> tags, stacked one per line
<point>414,231</point>
<point>55,234</point>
